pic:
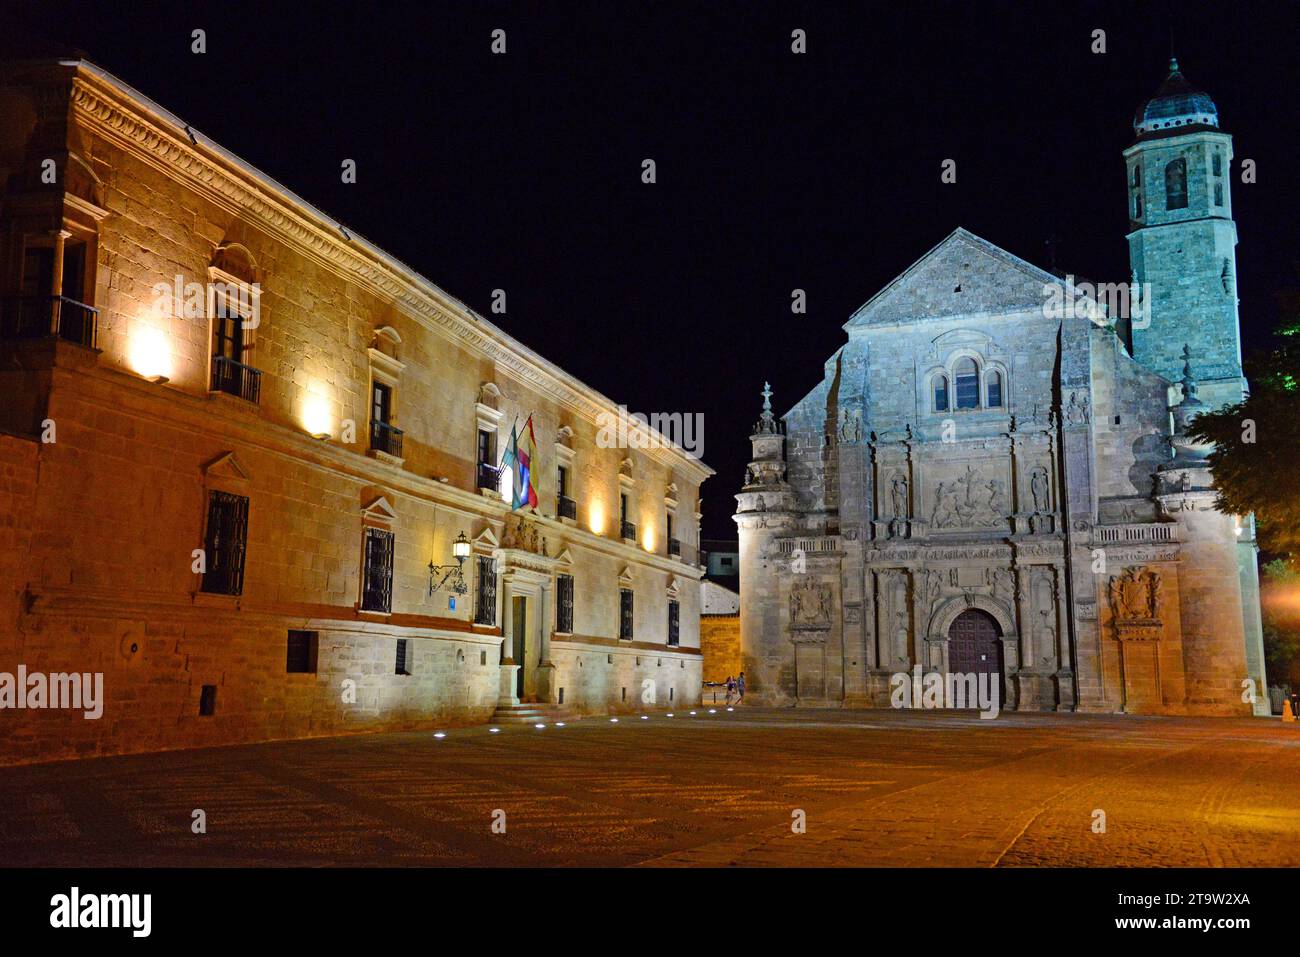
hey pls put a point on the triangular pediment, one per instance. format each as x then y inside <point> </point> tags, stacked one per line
<point>565,558</point>
<point>962,276</point>
<point>625,577</point>
<point>225,466</point>
<point>487,539</point>
<point>379,509</point>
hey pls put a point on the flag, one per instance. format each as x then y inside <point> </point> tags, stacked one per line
<point>525,468</point>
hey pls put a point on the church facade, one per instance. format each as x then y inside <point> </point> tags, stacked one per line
<point>994,476</point>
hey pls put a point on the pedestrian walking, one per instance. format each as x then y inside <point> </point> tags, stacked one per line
<point>731,688</point>
<point>740,688</point>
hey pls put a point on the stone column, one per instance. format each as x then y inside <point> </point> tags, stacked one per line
<point>546,687</point>
<point>508,696</point>
<point>60,236</point>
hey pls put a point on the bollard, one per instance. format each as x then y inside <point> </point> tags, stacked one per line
<point>1287,713</point>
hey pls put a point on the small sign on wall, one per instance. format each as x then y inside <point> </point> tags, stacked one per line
<point>451,602</point>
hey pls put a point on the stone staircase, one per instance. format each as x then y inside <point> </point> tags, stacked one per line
<point>530,712</point>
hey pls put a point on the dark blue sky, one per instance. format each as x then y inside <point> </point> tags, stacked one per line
<point>775,171</point>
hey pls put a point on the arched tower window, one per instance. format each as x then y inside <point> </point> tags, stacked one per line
<point>1216,163</point>
<point>1176,184</point>
<point>994,389</point>
<point>1137,175</point>
<point>967,375</point>
<point>941,393</point>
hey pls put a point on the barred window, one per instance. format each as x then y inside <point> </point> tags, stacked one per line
<point>403,664</point>
<point>674,623</point>
<point>564,603</point>
<point>485,603</point>
<point>625,614</point>
<point>377,576</point>
<point>224,543</point>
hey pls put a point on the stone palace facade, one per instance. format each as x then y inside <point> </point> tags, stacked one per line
<point>268,506</point>
<point>994,474</point>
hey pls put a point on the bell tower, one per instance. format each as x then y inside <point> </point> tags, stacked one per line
<point>1182,239</point>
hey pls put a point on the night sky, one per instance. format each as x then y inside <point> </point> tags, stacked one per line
<point>775,171</point>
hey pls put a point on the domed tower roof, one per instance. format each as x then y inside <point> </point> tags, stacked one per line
<point>1176,106</point>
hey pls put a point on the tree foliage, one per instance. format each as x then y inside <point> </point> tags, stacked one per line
<point>1256,460</point>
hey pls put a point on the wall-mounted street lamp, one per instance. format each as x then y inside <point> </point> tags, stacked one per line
<point>460,548</point>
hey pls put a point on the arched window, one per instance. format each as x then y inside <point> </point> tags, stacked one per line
<point>1137,174</point>
<point>1176,184</point>
<point>994,389</point>
<point>1216,163</point>
<point>967,374</point>
<point>941,393</point>
<point>1137,205</point>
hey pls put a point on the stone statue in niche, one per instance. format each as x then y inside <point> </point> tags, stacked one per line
<point>1076,410</point>
<point>810,605</point>
<point>850,425</point>
<point>1041,490</point>
<point>1048,631</point>
<point>898,496</point>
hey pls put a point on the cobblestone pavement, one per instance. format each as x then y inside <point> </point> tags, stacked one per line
<point>877,788</point>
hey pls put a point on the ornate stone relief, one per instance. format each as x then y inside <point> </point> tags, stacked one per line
<point>810,605</point>
<point>1077,411</point>
<point>1135,604</point>
<point>969,502</point>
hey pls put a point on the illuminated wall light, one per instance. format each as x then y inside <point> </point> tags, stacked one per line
<point>495,730</point>
<point>613,720</point>
<point>559,724</point>
<point>316,417</point>
<point>648,540</point>
<point>150,354</point>
<point>596,518</point>
<point>439,734</point>
<point>539,726</point>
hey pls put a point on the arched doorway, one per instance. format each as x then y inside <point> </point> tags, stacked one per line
<point>975,645</point>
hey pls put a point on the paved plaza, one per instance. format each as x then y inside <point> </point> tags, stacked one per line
<point>716,789</point>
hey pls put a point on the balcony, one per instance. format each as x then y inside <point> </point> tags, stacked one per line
<point>568,508</point>
<point>489,477</point>
<point>235,378</point>
<point>385,438</point>
<point>629,531</point>
<point>675,547</point>
<point>49,317</point>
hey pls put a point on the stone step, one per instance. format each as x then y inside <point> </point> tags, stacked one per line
<point>528,712</point>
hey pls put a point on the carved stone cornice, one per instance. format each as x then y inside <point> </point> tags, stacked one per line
<point>111,109</point>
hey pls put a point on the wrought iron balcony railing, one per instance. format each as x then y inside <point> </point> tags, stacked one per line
<point>489,477</point>
<point>629,531</point>
<point>235,378</point>
<point>49,317</point>
<point>385,438</point>
<point>675,547</point>
<point>568,508</point>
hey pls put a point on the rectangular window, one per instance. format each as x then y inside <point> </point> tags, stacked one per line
<point>564,604</point>
<point>485,456</point>
<point>208,701</point>
<point>377,574</point>
<point>562,481</point>
<point>485,604</point>
<point>381,402</point>
<point>674,624</point>
<point>1218,194</point>
<point>625,614</point>
<point>941,394</point>
<point>403,664</point>
<point>224,543</point>
<point>300,658</point>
